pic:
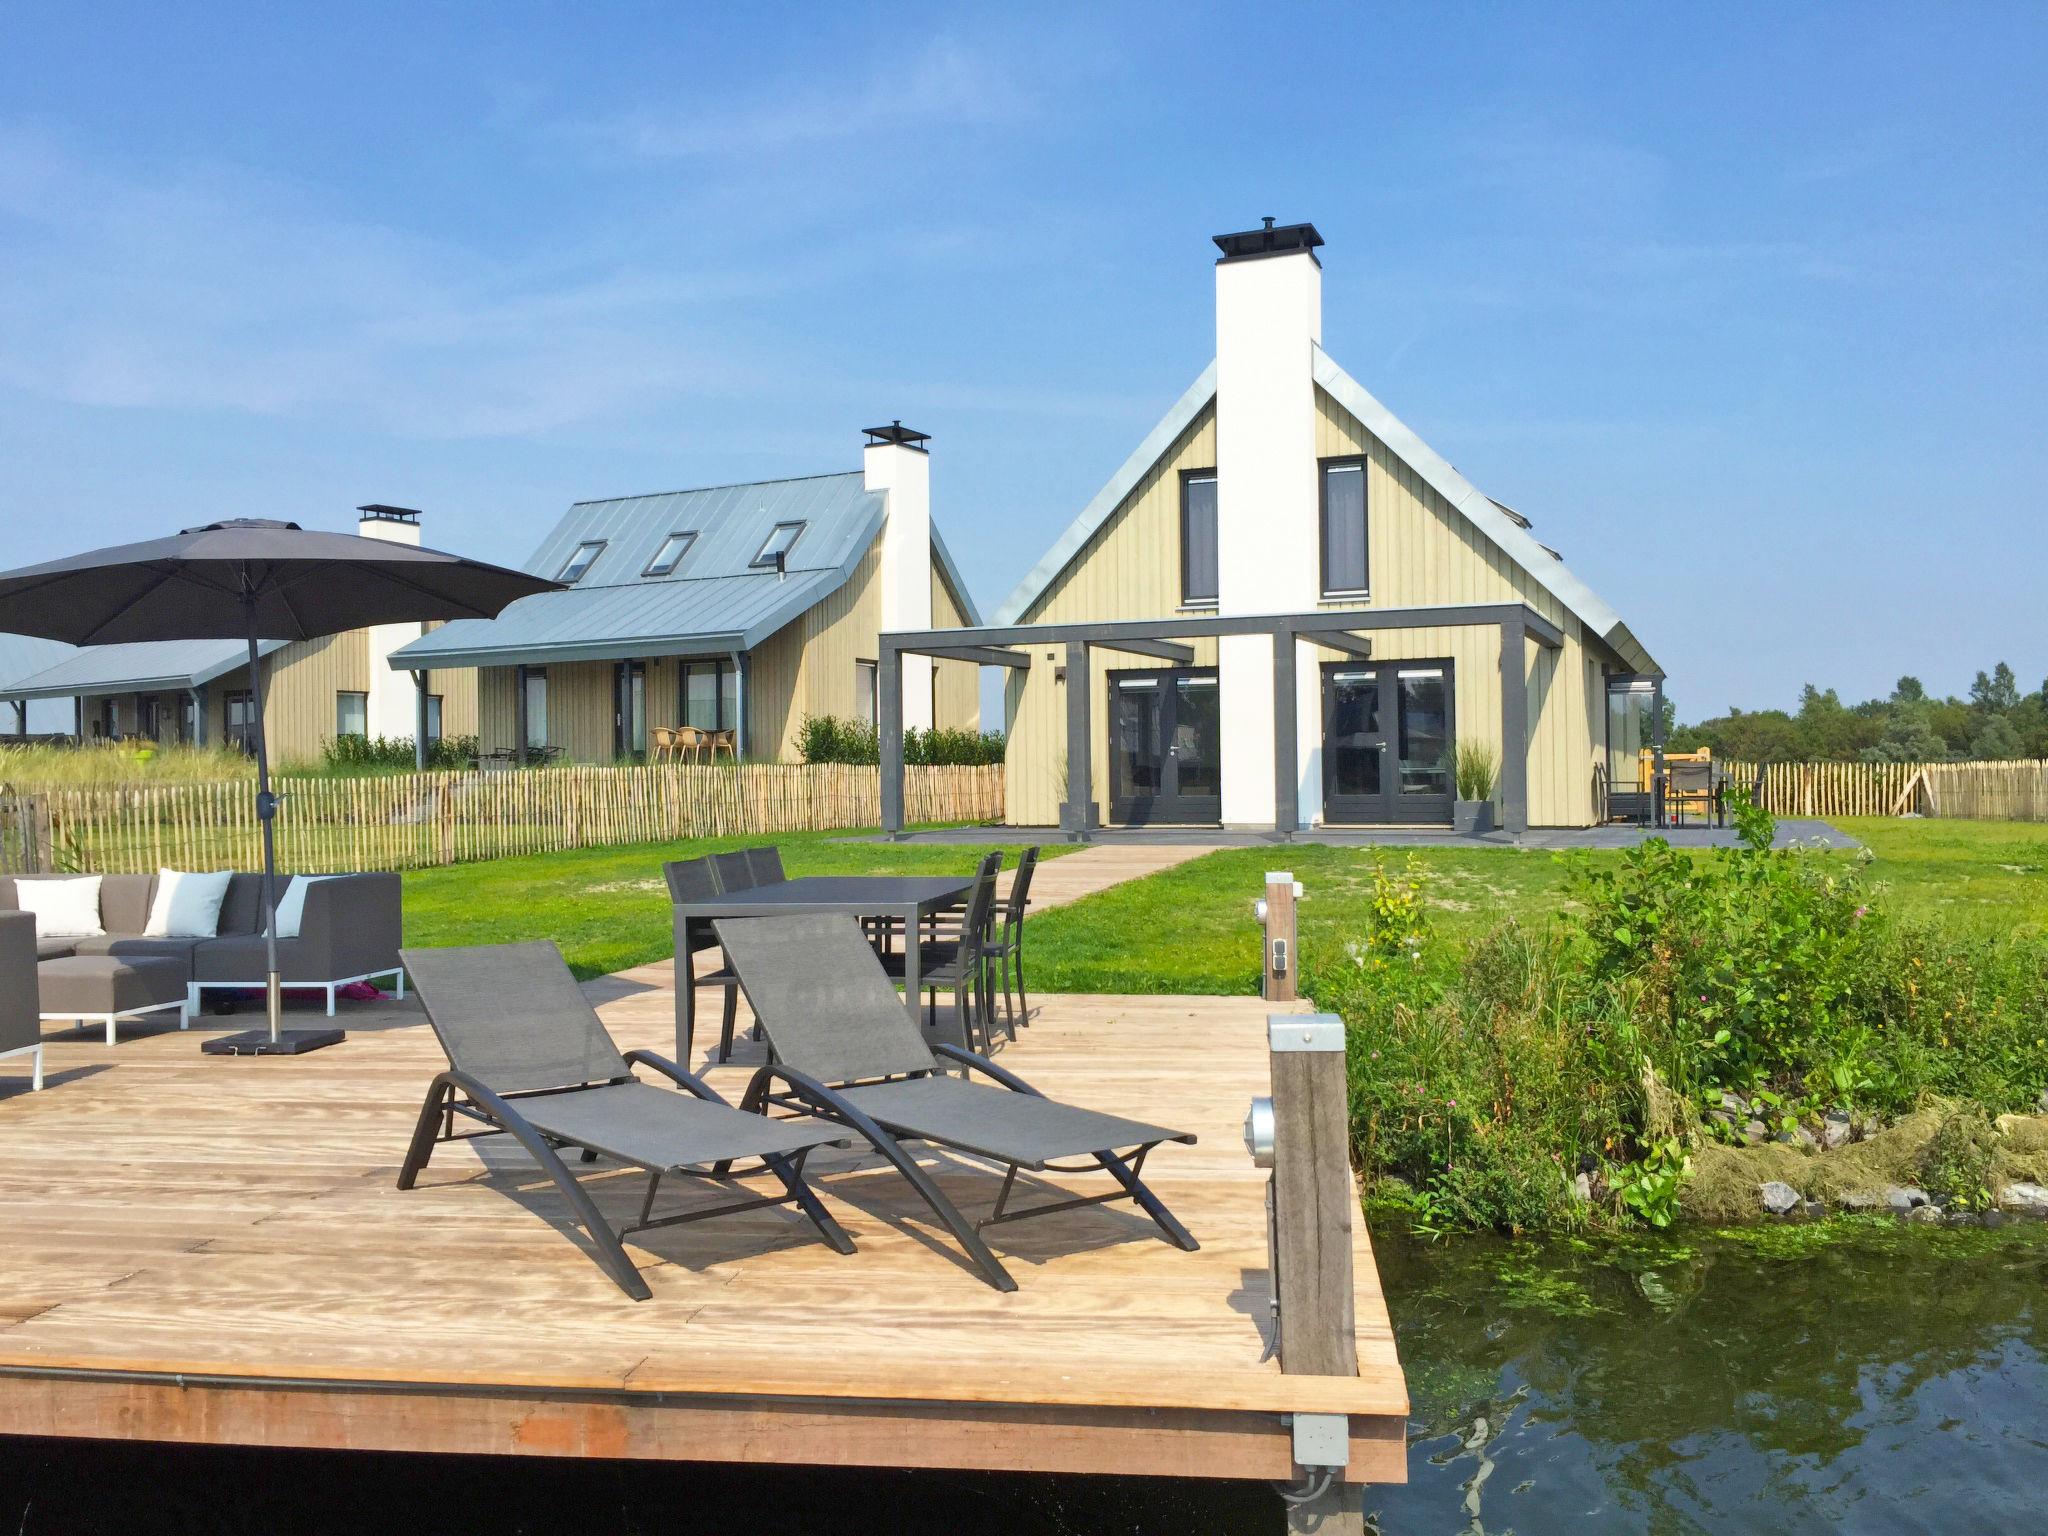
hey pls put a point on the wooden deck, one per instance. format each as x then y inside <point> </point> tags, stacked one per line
<point>213,1249</point>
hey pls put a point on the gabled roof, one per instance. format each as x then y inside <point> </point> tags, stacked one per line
<point>1508,530</point>
<point>142,666</point>
<point>22,656</point>
<point>714,602</point>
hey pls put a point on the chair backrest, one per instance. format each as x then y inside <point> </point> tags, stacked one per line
<point>981,901</point>
<point>512,1017</point>
<point>765,865</point>
<point>1020,887</point>
<point>734,870</point>
<point>821,994</point>
<point>693,880</point>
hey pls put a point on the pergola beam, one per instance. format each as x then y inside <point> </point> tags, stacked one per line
<point>1340,640</point>
<point>981,655</point>
<point>1165,650</point>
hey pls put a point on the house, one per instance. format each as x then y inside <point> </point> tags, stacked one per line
<point>21,657</point>
<point>734,608</point>
<point>198,691</point>
<point>1289,611</point>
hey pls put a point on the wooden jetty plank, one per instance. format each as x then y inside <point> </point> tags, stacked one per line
<point>236,1224</point>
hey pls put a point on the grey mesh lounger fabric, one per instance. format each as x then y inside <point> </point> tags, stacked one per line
<point>846,1049</point>
<point>528,1057</point>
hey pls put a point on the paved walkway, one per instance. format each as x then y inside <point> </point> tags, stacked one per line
<point>1098,867</point>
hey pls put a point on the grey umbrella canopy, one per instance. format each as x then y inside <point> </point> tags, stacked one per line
<point>253,579</point>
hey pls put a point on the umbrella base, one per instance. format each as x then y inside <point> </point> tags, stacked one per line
<point>257,1042</point>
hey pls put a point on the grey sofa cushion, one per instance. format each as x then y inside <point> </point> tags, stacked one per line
<point>95,984</point>
<point>128,945</point>
<point>18,1024</point>
<point>124,899</point>
<point>52,948</point>
<point>242,910</point>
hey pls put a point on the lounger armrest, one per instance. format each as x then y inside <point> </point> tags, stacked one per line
<point>689,1082</point>
<point>984,1066</point>
<point>19,1026</point>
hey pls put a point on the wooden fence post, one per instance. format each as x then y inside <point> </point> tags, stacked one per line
<point>1281,965</point>
<point>1314,1202</point>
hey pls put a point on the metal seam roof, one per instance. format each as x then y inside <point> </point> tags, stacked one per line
<point>139,667</point>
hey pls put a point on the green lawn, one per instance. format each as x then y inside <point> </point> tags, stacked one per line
<point>607,907</point>
<point>1190,929</point>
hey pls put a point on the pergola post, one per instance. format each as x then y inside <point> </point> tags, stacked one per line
<point>419,722</point>
<point>1077,814</point>
<point>890,730</point>
<point>743,681</point>
<point>1286,738</point>
<point>1514,724</point>
<point>21,717</point>
<point>519,714</point>
<point>1657,750</point>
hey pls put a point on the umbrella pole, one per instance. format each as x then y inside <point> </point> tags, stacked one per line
<point>266,813</point>
<point>276,1040</point>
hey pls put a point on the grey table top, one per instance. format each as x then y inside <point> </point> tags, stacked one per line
<point>842,893</point>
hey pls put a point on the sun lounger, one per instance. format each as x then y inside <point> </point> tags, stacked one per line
<point>529,1058</point>
<point>847,1050</point>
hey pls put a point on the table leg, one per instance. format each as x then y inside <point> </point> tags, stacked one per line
<point>686,994</point>
<point>913,963</point>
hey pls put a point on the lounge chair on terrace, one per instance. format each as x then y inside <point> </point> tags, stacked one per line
<point>529,1058</point>
<point>846,1049</point>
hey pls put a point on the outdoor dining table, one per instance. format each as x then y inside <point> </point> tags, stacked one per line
<point>909,899</point>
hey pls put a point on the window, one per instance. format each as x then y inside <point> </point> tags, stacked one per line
<point>670,555</point>
<point>433,717</point>
<point>351,714</point>
<point>1344,561</point>
<point>536,711</point>
<point>238,712</point>
<point>710,695</point>
<point>188,718</point>
<point>867,692</point>
<point>1198,538</point>
<point>780,541</point>
<point>578,565</point>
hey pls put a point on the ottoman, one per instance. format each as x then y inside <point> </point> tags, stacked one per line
<point>105,989</point>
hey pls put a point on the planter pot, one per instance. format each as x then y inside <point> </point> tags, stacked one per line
<point>1471,818</point>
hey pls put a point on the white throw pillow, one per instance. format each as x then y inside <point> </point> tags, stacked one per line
<point>64,909</point>
<point>187,906</point>
<point>291,906</point>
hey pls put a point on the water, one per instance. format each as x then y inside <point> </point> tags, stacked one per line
<point>1846,1376</point>
<point>1861,1377</point>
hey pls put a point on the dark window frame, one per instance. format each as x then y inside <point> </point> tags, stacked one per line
<point>720,668</point>
<point>528,676</point>
<point>1189,599</point>
<point>765,558</point>
<point>597,547</point>
<point>655,568</point>
<point>243,735</point>
<point>874,676</point>
<point>1360,462</point>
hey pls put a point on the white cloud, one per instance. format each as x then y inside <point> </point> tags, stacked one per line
<point>942,85</point>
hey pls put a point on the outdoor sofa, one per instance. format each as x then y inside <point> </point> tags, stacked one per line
<point>21,1031</point>
<point>350,931</point>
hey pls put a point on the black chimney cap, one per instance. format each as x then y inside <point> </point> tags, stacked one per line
<point>377,512</point>
<point>1268,241</point>
<point>897,433</point>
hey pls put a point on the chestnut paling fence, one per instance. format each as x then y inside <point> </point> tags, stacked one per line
<point>1999,791</point>
<point>406,821</point>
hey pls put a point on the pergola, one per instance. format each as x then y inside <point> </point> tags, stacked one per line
<point>1336,629</point>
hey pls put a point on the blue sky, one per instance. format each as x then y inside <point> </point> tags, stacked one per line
<point>1747,308</point>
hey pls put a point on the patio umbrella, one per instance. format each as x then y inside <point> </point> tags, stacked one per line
<point>253,579</point>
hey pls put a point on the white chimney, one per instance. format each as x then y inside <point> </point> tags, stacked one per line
<point>394,701</point>
<point>1269,317</point>
<point>896,463</point>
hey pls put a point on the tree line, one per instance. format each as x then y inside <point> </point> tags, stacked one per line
<point>1997,721</point>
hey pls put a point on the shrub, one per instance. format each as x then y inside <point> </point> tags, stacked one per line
<point>830,739</point>
<point>393,754</point>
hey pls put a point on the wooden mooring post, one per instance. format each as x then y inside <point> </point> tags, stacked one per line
<point>1276,911</point>
<point>1303,1134</point>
